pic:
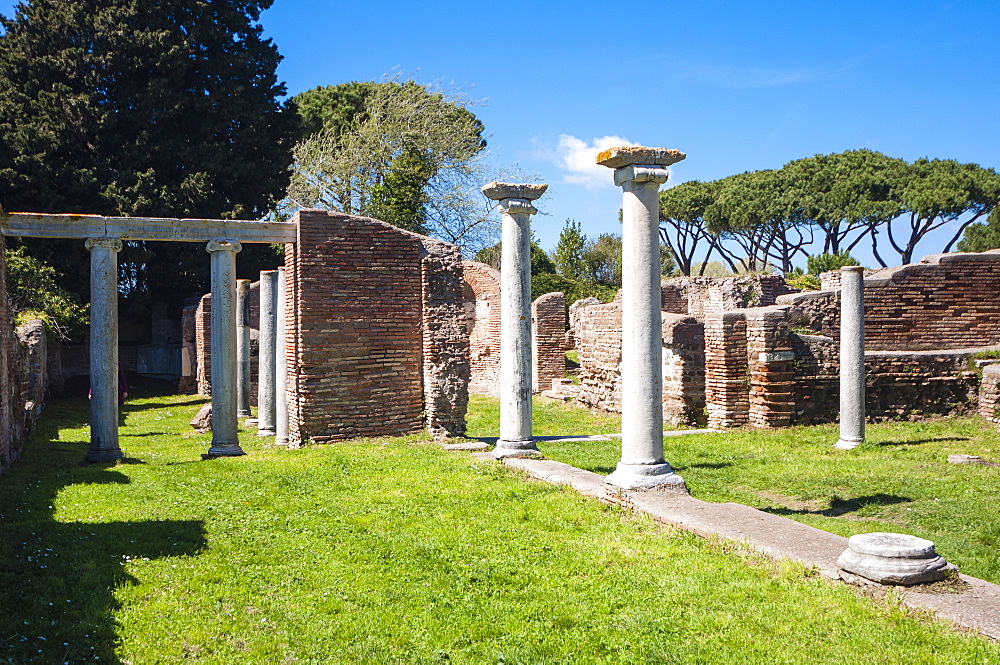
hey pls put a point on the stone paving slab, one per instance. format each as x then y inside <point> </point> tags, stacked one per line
<point>977,608</point>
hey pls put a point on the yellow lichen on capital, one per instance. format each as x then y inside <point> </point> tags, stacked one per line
<point>633,154</point>
<point>606,154</point>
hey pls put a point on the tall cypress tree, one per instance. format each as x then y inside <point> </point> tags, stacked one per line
<point>142,108</point>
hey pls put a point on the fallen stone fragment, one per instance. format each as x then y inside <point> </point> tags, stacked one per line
<point>894,558</point>
<point>203,421</point>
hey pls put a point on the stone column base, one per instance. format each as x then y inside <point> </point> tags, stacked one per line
<point>103,456</point>
<point>516,449</point>
<point>223,450</point>
<point>646,476</point>
<point>266,432</point>
<point>844,444</point>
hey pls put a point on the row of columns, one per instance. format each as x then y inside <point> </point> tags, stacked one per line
<point>639,172</point>
<point>230,341</point>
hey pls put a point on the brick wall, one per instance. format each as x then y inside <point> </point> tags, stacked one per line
<point>727,393</point>
<point>11,440</point>
<point>188,383</point>
<point>445,339</point>
<point>701,296</point>
<point>683,370</point>
<point>375,314</point>
<point>548,340</point>
<point>989,393</point>
<point>203,345</point>
<point>599,343</point>
<point>816,376</point>
<point>947,301</point>
<point>481,295</point>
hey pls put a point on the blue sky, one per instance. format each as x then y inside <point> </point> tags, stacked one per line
<point>736,85</point>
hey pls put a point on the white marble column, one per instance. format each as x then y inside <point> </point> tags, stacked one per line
<point>852,357</point>
<point>265,352</point>
<point>515,316</point>
<point>281,367</point>
<point>104,350</point>
<point>243,348</point>
<point>225,422</point>
<point>640,172</point>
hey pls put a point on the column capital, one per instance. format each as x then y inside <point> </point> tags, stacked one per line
<point>637,164</point>
<point>517,206</point>
<point>223,246</point>
<point>113,244</point>
<point>498,191</point>
<point>641,174</point>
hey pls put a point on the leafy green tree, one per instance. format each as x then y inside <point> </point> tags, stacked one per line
<point>668,266</point>
<point>136,107</point>
<point>33,293</point>
<point>758,212</point>
<point>397,151</point>
<point>541,263</point>
<point>603,258</point>
<point>682,223</point>
<point>980,237</point>
<point>846,195</point>
<point>829,261</point>
<point>935,193</point>
<point>569,252</point>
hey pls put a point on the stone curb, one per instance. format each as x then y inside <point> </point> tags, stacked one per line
<point>977,608</point>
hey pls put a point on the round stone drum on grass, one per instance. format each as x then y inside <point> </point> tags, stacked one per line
<point>894,558</point>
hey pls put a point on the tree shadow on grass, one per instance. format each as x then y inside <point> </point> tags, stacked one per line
<point>915,442</point>
<point>840,507</point>
<point>58,578</point>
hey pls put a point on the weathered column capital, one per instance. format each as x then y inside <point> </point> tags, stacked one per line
<point>635,164</point>
<point>517,207</point>
<point>114,244</point>
<point>223,246</point>
<point>514,198</point>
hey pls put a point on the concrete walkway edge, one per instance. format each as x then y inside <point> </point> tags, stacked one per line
<point>976,609</point>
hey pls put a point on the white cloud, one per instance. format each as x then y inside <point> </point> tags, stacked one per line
<point>577,157</point>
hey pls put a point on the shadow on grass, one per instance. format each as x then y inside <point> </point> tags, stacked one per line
<point>840,507</point>
<point>704,465</point>
<point>58,578</point>
<point>919,441</point>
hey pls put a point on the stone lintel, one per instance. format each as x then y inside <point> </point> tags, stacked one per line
<point>43,225</point>
<point>616,158</point>
<point>641,173</point>
<point>498,191</point>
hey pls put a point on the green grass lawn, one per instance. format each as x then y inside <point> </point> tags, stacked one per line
<point>898,481</point>
<point>388,551</point>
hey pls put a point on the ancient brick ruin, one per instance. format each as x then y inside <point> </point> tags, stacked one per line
<point>23,376</point>
<point>775,365</point>
<point>376,335</point>
<point>481,296</point>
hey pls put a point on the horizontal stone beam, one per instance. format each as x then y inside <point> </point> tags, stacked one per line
<point>41,225</point>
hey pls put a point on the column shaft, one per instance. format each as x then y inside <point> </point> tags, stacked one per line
<point>266,352</point>
<point>281,366</point>
<point>640,172</point>
<point>852,357</point>
<point>104,350</point>
<point>515,331</point>
<point>642,332</point>
<point>225,422</point>
<point>243,348</point>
